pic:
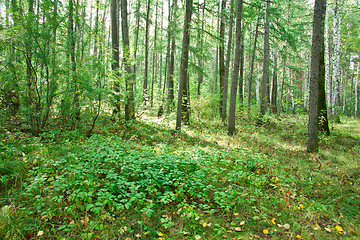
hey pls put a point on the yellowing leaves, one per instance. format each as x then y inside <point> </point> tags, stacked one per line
<point>160,234</point>
<point>298,236</point>
<point>273,221</point>
<point>339,229</point>
<point>266,232</point>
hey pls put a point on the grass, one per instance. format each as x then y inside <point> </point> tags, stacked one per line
<point>142,181</point>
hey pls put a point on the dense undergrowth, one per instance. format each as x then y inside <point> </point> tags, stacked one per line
<point>142,181</point>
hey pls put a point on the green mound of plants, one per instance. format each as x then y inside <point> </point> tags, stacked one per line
<point>107,178</point>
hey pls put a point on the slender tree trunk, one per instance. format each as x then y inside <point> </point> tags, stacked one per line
<point>227,62</point>
<point>336,60</point>
<point>115,65</point>
<point>317,72</point>
<point>327,60</point>
<point>170,102</point>
<point>274,85</point>
<point>241,78</point>
<point>183,97</point>
<point>221,56</point>
<point>129,77</point>
<point>201,59</point>
<point>235,76</point>
<point>252,64</point>
<point>265,74</point>
<point>154,57</point>
<point>147,26</point>
<point>136,38</point>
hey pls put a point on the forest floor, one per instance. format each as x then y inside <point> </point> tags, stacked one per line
<point>144,181</point>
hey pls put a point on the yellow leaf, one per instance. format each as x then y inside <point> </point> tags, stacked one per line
<point>298,236</point>
<point>204,224</point>
<point>318,226</point>
<point>273,221</point>
<point>86,219</point>
<point>266,232</point>
<point>339,228</point>
<point>352,230</point>
<point>301,206</point>
<point>160,234</point>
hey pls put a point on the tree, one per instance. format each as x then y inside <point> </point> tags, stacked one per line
<point>317,68</point>
<point>183,100</point>
<point>227,63</point>
<point>265,74</point>
<point>115,65</point>
<point>221,57</point>
<point>336,59</point>
<point>145,93</point>
<point>236,68</point>
<point>273,103</point>
<point>129,77</point>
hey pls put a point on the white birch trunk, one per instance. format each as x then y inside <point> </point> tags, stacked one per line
<point>343,86</point>
<point>336,59</point>
<point>327,60</point>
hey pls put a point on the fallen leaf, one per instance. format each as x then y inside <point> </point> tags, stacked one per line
<point>40,233</point>
<point>298,236</point>
<point>160,234</point>
<point>266,232</point>
<point>197,237</point>
<point>242,223</point>
<point>339,228</point>
<point>328,230</point>
<point>204,224</point>
<point>237,229</point>
<point>273,221</point>
<point>286,226</point>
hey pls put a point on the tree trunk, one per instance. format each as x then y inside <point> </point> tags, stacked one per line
<point>274,85</point>
<point>241,78</point>
<point>154,56</point>
<point>327,60</point>
<point>129,77</point>
<point>235,76</point>
<point>265,74</point>
<point>115,65</point>
<point>170,102</point>
<point>201,59</point>
<point>227,62</point>
<point>183,113</point>
<point>252,65</point>
<point>221,56</point>
<point>136,38</point>
<point>336,60</point>
<point>317,56</point>
<point>147,26</point>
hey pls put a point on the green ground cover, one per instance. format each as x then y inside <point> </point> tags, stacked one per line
<point>143,181</point>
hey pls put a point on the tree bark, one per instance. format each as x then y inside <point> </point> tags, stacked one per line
<point>265,74</point>
<point>252,64</point>
<point>235,76</point>
<point>336,60</point>
<point>183,113</point>
<point>317,56</point>
<point>274,85</point>
<point>221,56</point>
<point>115,65</point>
<point>129,77</point>
<point>357,92</point>
<point>171,68</point>
<point>227,62</point>
<point>147,26</point>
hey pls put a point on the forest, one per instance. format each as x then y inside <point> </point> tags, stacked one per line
<point>179,119</point>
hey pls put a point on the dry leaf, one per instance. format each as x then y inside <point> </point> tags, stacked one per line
<point>40,233</point>
<point>286,226</point>
<point>197,237</point>
<point>328,230</point>
<point>242,223</point>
